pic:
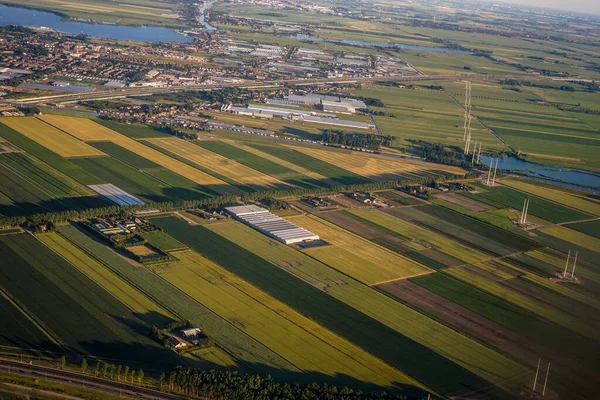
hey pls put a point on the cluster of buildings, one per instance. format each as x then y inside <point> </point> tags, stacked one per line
<point>270,224</point>
<point>119,227</point>
<point>187,335</point>
<point>296,114</point>
<point>326,103</point>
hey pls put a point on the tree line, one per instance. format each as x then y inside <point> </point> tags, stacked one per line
<point>235,385</point>
<point>359,140</point>
<point>213,203</point>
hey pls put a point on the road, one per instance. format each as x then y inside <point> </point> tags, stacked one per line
<point>87,381</point>
<point>141,91</point>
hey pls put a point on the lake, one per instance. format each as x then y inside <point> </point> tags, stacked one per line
<point>568,177</point>
<point>34,18</point>
<point>375,44</point>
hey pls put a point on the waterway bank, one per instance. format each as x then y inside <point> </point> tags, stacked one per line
<point>10,15</point>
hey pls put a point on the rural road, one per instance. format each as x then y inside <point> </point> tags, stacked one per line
<point>88,381</point>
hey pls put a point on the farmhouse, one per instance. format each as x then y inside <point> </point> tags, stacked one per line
<point>270,224</point>
<point>175,343</point>
<point>190,333</point>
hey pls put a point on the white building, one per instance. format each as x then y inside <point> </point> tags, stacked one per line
<point>270,224</point>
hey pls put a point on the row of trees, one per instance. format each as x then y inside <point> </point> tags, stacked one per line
<point>371,101</point>
<point>360,140</point>
<point>234,385</point>
<point>209,204</point>
<point>115,211</point>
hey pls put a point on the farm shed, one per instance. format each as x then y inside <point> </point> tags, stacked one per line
<point>270,224</point>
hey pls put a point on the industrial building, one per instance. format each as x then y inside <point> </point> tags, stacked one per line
<point>327,103</point>
<point>270,224</point>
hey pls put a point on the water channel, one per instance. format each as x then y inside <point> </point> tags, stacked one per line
<point>563,176</point>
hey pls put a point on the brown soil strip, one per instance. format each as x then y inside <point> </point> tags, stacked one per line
<point>465,202</point>
<point>443,258</point>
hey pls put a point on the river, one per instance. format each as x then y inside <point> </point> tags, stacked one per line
<point>202,16</point>
<point>562,176</point>
<point>35,18</point>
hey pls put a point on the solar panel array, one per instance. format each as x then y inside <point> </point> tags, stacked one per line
<point>116,195</point>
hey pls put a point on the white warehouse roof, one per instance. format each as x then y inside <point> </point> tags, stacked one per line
<point>270,224</point>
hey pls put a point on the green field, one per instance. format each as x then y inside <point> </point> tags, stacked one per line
<point>19,331</point>
<point>252,355</point>
<point>79,313</point>
<point>128,157</point>
<point>480,235</point>
<point>352,310</point>
<point>591,228</point>
<point>163,241</point>
<point>546,210</point>
<point>331,171</point>
<point>303,342</point>
<point>134,131</point>
<point>421,114</point>
<point>33,188</point>
<point>260,164</point>
<point>513,317</point>
<point>61,164</point>
<point>110,170</point>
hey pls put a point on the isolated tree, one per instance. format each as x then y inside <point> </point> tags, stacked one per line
<point>113,367</point>
<point>97,371</point>
<point>84,365</point>
<point>161,379</point>
<point>132,375</point>
<point>126,372</point>
<point>119,369</point>
<point>62,362</point>
<point>140,376</point>
<point>104,370</point>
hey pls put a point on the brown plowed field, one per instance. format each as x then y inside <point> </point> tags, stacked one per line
<point>465,202</point>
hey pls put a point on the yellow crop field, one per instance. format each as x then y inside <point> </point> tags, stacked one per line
<point>299,340</point>
<point>280,161</point>
<point>422,236</point>
<point>578,238</point>
<point>372,165</point>
<point>219,164</point>
<point>214,356</point>
<point>356,256</point>
<point>468,353</point>
<point>87,130</point>
<point>50,137</point>
<point>126,293</point>
<point>568,199</point>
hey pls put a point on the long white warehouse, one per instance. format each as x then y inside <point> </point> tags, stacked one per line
<point>270,224</point>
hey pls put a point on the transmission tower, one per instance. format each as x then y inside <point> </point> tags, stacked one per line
<point>468,117</point>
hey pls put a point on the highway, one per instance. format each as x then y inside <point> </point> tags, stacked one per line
<point>141,91</point>
<point>87,381</point>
